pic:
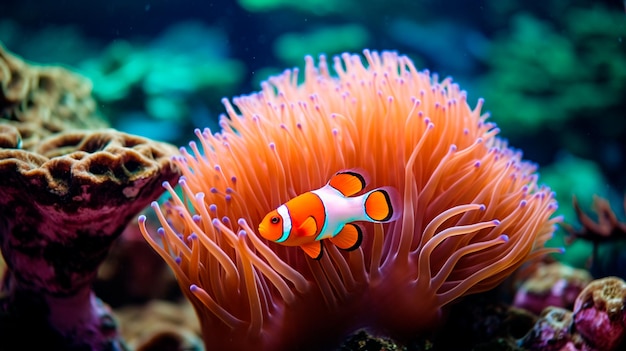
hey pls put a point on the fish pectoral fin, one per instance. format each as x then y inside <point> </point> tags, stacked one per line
<point>313,250</point>
<point>347,182</point>
<point>349,238</point>
<point>308,227</point>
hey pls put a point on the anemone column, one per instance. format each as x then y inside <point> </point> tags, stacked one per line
<point>61,206</point>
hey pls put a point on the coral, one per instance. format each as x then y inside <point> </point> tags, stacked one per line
<point>10,137</point>
<point>43,100</point>
<point>606,228</point>
<point>547,101</point>
<point>160,88</point>
<point>313,6</point>
<point>362,341</point>
<point>291,47</point>
<point>62,206</point>
<point>553,284</point>
<point>552,85</point>
<point>597,323</point>
<point>599,314</point>
<point>551,332</point>
<point>473,212</point>
<point>160,325</point>
<point>607,236</point>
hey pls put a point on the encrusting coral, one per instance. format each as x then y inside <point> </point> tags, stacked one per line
<point>472,210</point>
<point>551,332</point>
<point>599,314</point>
<point>553,284</point>
<point>597,322</point>
<point>62,204</point>
<point>43,100</point>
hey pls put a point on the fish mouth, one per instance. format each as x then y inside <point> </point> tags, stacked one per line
<point>267,234</point>
<point>263,231</point>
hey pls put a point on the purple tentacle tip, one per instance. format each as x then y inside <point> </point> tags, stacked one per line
<point>241,221</point>
<point>178,260</point>
<point>213,208</point>
<point>482,207</point>
<point>193,288</point>
<point>496,221</point>
<point>504,238</point>
<point>161,231</point>
<point>193,236</point>
<point>196,218</point>
<point>142,219</point>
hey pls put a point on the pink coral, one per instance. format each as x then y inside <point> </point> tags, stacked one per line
<point>472,213</point>
<point>599,314</point>
<point>61,206</point>
<point>551,332</point>
<point>553,284</point>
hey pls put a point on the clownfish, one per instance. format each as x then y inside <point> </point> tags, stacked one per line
<point>329,212</point>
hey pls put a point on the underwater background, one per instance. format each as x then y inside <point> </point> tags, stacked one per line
<point>552,74</point>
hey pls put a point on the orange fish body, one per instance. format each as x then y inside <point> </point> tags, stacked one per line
<point>328,213</point>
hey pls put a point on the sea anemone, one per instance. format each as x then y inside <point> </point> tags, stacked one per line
<point>472,209</point>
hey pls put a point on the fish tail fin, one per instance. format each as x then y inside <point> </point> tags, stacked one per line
<point>383,204</point>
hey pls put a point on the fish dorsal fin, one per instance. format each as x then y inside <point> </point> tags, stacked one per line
<point>313,250</point>
<point>349,238</point>
<point>308,227</point>
<point>348,182</point>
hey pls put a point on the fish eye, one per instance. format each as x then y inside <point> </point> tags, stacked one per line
<point>275,220</point>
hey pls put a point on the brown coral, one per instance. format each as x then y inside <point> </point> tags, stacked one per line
<point>160,325</point>
<point>42,100</point>
<point>62,205</point>
<point>606,228</point>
